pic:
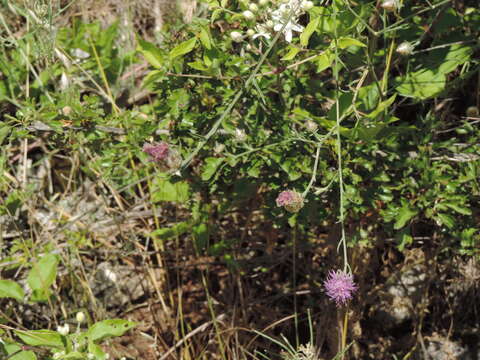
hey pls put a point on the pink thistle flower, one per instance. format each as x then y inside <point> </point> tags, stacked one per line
<point>291,200</point>
<point>339,286</point>
<point>158,151</point>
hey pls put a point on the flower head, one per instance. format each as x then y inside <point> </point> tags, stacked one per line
<point>236,36</point>
<point>291,200</point>
<point>339,286</point>
<point>158,152</point>
<point>405,48</point>
<point>63,330</point>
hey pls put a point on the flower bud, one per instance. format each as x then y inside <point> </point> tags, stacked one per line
<point>236,36</point>
<point>390,5</point>
<point>247,14</point>
<point>253,7</point>
<point>472,111</point>
<point>291,200</point>
<point>240,135</point>
<point>250,32</point>
<point>80,317</point>
<point>311,126</point>
<point>405,48</point>
<point>63,330</point>
<point>66,110</point>
<point>263,2</point>
<point>307,5</point>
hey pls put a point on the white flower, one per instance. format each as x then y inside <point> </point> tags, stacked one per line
<point>236,36</point>
<point>240,135</point>
<point>287,30</point>
<point>261,31</point>
<point>247,14</point>
<point>263,2</point>
<point>253,7</point>
<point>110,275</point>
<point>63,330</point>
<point>287,14</point>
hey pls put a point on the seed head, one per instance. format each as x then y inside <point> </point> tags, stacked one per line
<point>291,200</point>
<point>339,286</point>
<point>405,48</point>
<point>158,151</point>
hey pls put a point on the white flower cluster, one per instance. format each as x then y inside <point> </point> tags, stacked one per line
<point>281,15</point>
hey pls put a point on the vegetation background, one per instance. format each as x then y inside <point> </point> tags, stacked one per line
<point>196,261</point>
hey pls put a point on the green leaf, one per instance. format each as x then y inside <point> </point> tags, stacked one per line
<point>198,65</point>
<point>183,48</point>
<point>345,42</point>
<point>309,29</point>
<point>43,273</point>
<point>205,38</point>
<point>325,60</point>
<point>164,190</point>
<point>10,289</point>
<point>445,219</point>
<point>404,215</point>
<point>22,355</point>
<point>171,232</point>
<point>457,55</point>
<point>48,338</point>
<point>210,167</point>
<point>96,351</point>
<point>421,84</point>
<point>458,208</point>
<point>108,328</point>
<point>381,107</point>
<point>151,53</point>
<point>292,52</point>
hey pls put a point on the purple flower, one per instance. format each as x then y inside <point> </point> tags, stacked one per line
<point>158,151</point>
<point>339,286</point>
<point>291,200</point>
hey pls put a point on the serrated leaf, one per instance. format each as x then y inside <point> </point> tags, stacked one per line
<point>460,209</point>
<point>345,42</point>
<point>446,220</point>
<point>324,61</point>
<point>198,65</point>
<point>292,52</point>
<point>183,48</point>
<point>48,338</point>
<point>10,289</point>
<point>210,167</point>
<point>309,30</point>
<point>404,215</point>
<point>109,328</point>
<point>151,53</point>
